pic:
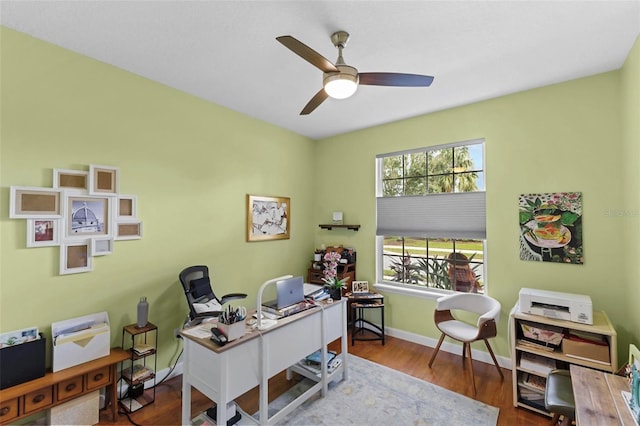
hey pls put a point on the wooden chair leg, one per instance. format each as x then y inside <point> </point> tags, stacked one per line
<point>495,361</point>
<point>435,352</point>
<point>473,379</point>
<point>554,420</point>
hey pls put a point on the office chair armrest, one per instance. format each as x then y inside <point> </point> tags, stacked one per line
<point>232,296</point>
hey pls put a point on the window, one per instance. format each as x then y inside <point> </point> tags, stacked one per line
<point>431,218</point>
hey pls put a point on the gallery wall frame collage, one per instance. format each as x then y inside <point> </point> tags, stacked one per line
<point>83,213</point>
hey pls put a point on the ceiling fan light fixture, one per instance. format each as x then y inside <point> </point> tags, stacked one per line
<point>343,84</point>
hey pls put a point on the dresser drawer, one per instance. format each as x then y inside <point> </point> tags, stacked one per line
<point>69,388</point>
<point>8,410</point>
<point>98,378</point>
<point>36,400</point>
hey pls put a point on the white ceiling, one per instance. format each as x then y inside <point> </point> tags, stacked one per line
<point>226,52</point>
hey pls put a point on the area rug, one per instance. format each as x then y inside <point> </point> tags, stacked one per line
<point>378,395</point>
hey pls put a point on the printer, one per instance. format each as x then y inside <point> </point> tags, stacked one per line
<point>553,304</point>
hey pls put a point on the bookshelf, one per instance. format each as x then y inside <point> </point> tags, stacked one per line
<point>531,364</point>
<point>140,367</point>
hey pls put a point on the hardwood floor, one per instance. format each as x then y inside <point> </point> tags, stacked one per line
<point>398,354</point>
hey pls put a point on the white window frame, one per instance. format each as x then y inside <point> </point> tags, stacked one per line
<point>411,289</point>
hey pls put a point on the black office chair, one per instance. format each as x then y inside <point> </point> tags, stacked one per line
<point>197,289</point>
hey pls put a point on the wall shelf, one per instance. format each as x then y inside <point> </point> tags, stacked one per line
<point>329,226</point>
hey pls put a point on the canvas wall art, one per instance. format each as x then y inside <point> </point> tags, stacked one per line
<point>551,227</point>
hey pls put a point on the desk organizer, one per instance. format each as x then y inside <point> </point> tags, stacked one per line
<point>232,331</point>
<point>23,362</point>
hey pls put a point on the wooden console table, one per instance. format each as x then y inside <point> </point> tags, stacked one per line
<point>62,386</point>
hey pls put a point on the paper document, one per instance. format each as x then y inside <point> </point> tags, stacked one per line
<point>201,331</point>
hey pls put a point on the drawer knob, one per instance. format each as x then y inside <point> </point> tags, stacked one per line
<point>4,410</point>
<point>38,398</point>
<point>70,387</point>
<point>98,377</point>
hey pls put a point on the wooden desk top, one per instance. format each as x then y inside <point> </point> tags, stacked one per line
<point>598,398</point>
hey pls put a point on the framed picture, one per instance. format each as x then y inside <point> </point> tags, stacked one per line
<point>360,287</point>
<point>88,216</point>
<point>43,232</point>
<point>126,207</point>
<point>101,246</point>
<point>103,180</point>
<point>30,203</point>
<point>75,257</point>
<point>131,230</point>
<point>268,218</point>
<point>71,180</point>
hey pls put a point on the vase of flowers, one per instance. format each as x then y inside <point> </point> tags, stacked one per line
<point>332,283</point>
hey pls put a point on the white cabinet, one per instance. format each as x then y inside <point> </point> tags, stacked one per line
<point>530,364</point>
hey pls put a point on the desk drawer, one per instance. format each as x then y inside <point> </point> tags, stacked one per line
<point>8,410</point>
<point>36,400</point>
<point>69,388</point>
<point>98,378</point>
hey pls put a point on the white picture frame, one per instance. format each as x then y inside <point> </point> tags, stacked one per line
<point>126,207</point>
<point>43,232</point>
<point>29,202</point>
<point>128,230</point>
<point>101,246</point>
<point>359,287</point>
<point>72,181</point>
<point>75,257</point>
<point>103,180</point>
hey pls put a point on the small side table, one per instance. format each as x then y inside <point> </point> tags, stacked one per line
<point>361,302</point>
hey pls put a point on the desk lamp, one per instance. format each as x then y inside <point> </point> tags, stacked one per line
<point>263,324</point>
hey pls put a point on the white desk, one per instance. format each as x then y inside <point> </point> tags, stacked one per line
<point>224,373</point>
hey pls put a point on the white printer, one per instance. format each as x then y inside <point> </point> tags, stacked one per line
<point>553,304</point>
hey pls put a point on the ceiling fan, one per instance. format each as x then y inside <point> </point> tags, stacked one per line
<point>341,80</point>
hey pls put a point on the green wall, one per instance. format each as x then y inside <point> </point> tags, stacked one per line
<point>565,137</point>
<point>191,164</point>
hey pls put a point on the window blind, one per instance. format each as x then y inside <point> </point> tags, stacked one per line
<point>451,215</point>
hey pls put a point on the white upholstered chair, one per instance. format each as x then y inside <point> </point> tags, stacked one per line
<point>485,328</point>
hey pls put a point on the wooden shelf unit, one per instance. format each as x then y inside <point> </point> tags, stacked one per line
<point>601,326</point>
<point>132,336</point>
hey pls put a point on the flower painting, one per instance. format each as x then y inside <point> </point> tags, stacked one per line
<point>551,227</point>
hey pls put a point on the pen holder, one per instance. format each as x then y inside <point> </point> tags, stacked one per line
<point>232,331</point>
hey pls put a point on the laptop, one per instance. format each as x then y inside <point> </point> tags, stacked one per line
<point>288,292</point>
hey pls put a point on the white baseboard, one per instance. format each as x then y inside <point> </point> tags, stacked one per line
<point>454,348</point>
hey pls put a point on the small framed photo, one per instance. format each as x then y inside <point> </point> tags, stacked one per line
<point>101,246</point>
<point>103,180</point>
<point>87,216</point>
<point>268,218</point>
<point>360,287</point>
<point>131,230</point>
<point>75,257</point>
<point>126,207</point>
<point>35,203</point>
<point>43,232</point>
<point>76,181</point>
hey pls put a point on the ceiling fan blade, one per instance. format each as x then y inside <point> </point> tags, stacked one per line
<point>314,102</point>
<point>307,53</point>
<point>394,79</point>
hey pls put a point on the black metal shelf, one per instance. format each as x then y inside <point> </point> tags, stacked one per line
<point>329,226</point>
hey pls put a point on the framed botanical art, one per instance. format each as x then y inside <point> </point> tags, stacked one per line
<point>103,180</point>
<point>71,180</point>
<point>101,246</point>
<point>131,230</point>
<point>87,216</point>
<point>268,218</point>
<point>30,203</point>
<point>75,257</point>
<point>43,232</point>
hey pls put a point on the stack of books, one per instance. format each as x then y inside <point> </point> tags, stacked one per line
<point>312,362</point>
<point>137,372</point>
<point>537,364</point>
<point>142,348</point>
<point>531,389</point>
